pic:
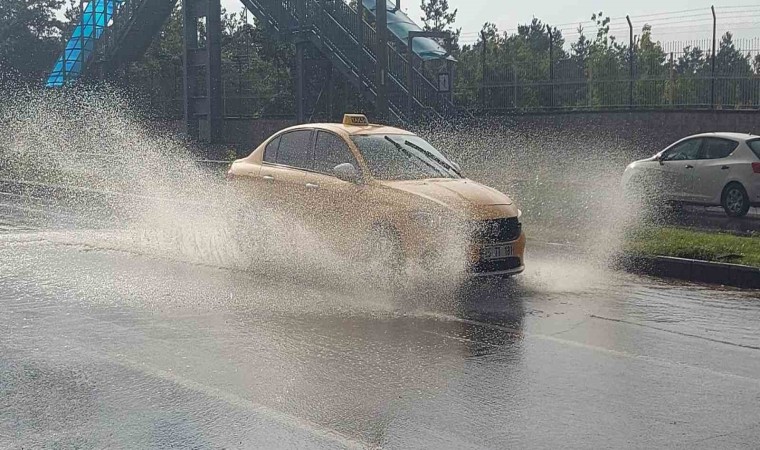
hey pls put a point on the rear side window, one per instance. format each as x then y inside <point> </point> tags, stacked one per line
<point>295,149</point>
<point>755,146</point>
<point>714,148</point>
<point>270,152</point>
<point>331,151</point>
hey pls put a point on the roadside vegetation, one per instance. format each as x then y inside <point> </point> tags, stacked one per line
<point>683,243</point>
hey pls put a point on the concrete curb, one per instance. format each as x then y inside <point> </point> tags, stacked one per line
<point>692,270</point>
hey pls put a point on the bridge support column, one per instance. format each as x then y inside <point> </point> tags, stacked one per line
<point>203,69</point>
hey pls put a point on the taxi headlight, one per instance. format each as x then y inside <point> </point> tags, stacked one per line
<point>519,215</point>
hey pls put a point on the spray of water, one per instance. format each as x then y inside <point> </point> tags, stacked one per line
<point>133,187</point>
<point>567,183</point>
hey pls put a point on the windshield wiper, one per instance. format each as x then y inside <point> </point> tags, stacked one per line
<point>410,155</point>
<point>433,157</point>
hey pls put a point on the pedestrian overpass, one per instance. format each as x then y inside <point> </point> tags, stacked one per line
<point>375,59</point>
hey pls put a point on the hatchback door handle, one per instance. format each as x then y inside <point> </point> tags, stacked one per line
<point>724,168</point>
<point>268,177</point>
<point>312,186</point>
<point>689,166</point>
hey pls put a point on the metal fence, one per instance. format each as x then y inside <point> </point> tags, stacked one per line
<point>674,75</point>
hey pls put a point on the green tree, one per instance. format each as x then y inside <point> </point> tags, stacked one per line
<point>607,67</point>
<point>529,48</point>
<point>438,17</point>
<point>255,69</point>
<point>651,71</point>
<point>691,80</point>
<point>29,38</point>
<point>732,67</point>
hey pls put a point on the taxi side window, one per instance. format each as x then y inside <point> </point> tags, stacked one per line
<point>684,151</point>
<point>295,149</point>
<point>330,151</point>
<point>714,148</point>
<point>270,152</point>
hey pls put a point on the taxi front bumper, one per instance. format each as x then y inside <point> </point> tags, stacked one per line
<point>511,265</point>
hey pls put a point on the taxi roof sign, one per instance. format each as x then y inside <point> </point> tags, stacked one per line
<point>357,120</point>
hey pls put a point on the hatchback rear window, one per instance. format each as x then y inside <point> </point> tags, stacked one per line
<point>755,146</point>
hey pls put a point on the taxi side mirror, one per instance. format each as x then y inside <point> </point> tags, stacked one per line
<point>346,172</point>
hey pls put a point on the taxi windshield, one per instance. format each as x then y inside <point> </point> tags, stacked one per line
<point>403,157</point>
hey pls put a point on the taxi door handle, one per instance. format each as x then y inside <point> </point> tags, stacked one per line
<point>689,166</point>
<point>268,178</point>
<point>724,168</point>
<point>312,186</point>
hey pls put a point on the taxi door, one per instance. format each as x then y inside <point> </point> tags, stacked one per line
<point>283,171</point>
<point>340,207</point>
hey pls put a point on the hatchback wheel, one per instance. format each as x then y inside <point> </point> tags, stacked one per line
<point>735,200</point>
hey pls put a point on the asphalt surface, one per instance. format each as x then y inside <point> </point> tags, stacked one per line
<point>102,346</point>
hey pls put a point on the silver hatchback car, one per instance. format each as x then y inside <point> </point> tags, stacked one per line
<point>717,169</point>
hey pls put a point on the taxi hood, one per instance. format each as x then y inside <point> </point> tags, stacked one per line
<point>455,193</point>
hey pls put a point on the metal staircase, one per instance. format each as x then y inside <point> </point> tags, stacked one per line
<point>333,27</point>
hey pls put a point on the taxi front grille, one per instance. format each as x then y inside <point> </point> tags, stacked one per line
<point>497,230</point>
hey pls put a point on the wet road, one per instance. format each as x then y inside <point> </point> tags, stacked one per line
<point>101,347</point>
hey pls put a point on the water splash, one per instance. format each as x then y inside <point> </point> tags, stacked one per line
<point>134,187</point>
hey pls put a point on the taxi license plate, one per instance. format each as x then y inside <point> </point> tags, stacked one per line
<point>497,252</point>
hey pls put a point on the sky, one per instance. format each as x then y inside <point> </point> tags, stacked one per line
<point>673,20</point>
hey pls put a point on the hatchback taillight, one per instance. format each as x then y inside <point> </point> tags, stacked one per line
<point>756,167</point>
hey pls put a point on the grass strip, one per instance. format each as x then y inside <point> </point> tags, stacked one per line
<point>705,246</point>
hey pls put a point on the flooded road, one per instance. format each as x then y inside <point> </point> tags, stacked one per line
<point>105,347</point>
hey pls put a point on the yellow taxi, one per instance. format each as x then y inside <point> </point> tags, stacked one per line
<point>387,192</point>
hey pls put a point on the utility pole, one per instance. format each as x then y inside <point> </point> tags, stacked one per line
<point>381,29</point>
<point>712,63</point>
<point>551,66</point>
<point>630,62</point>
<point>483,72</point>
<point>672,90</point>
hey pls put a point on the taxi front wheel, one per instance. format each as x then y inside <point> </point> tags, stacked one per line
<point>386,248</point>
<point>384,256</point>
